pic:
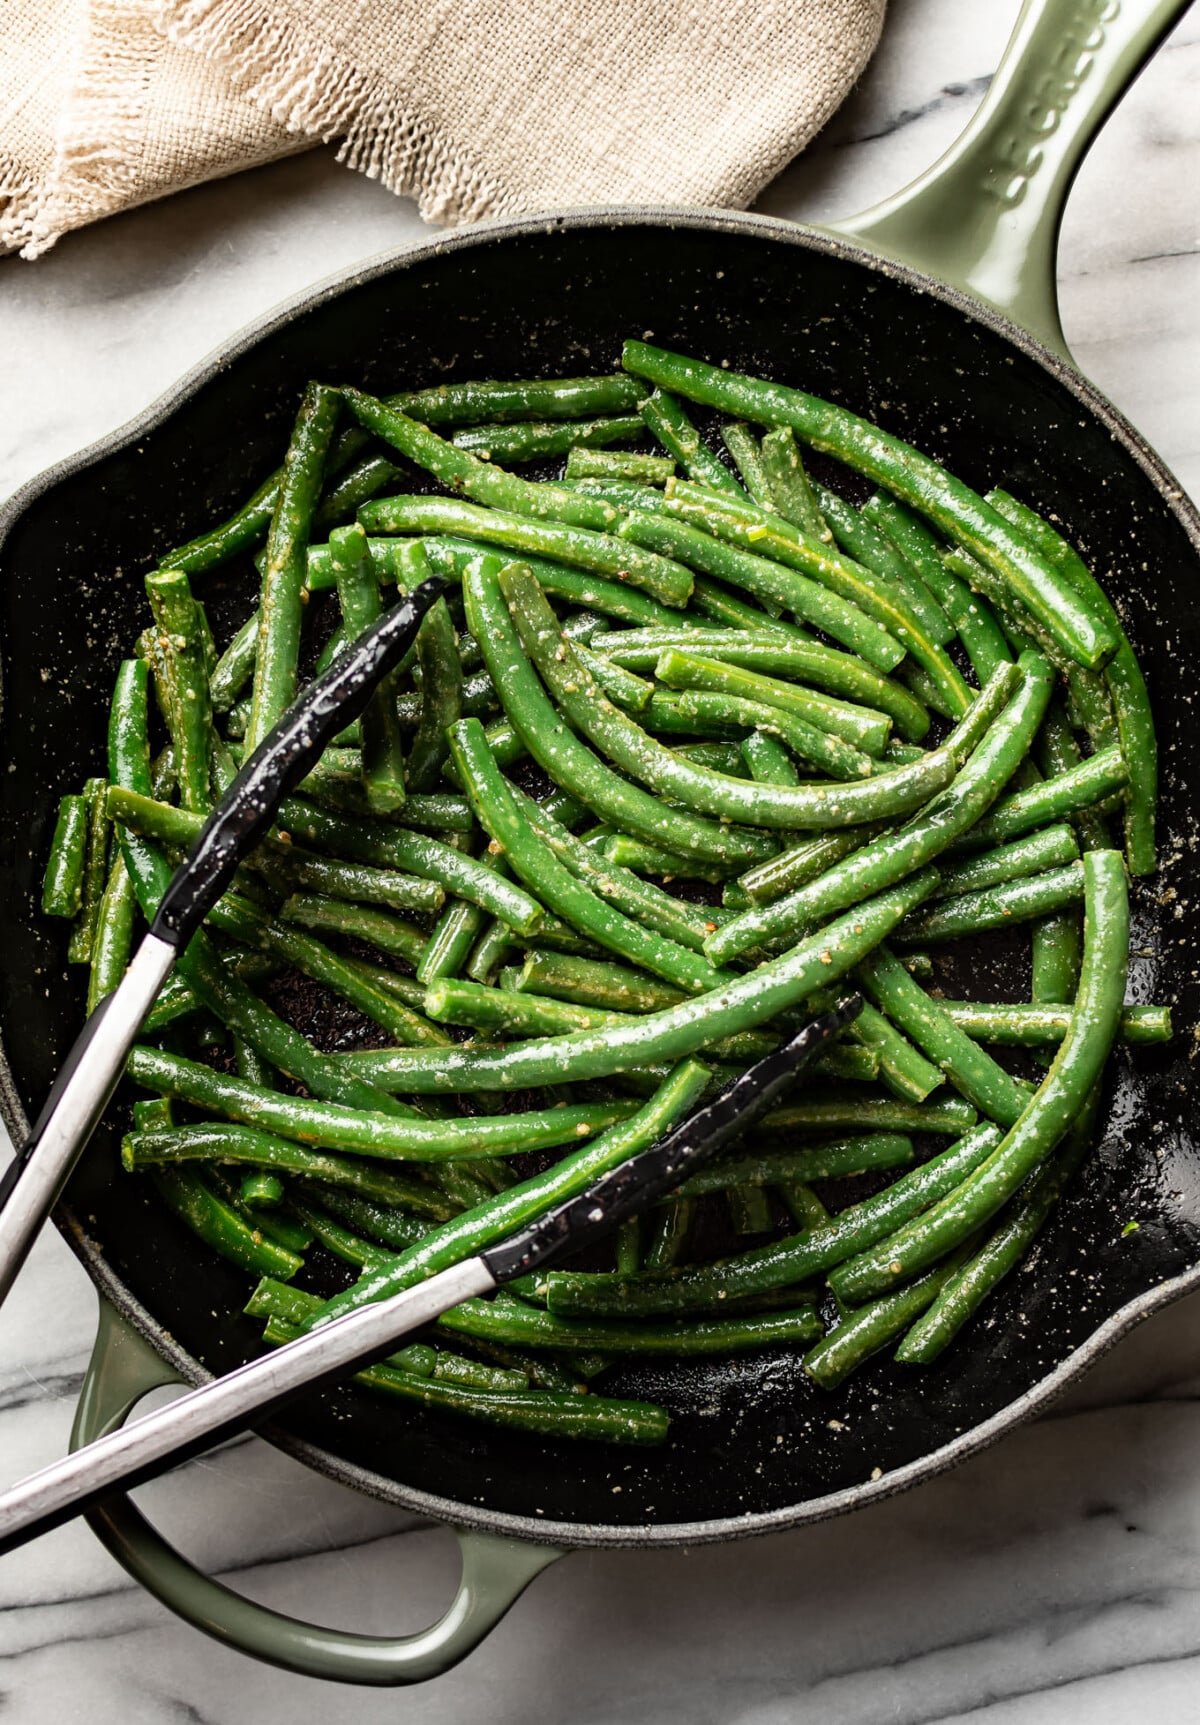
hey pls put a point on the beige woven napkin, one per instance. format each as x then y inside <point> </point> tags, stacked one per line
<point>472,107</point>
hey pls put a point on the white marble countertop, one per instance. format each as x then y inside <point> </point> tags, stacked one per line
<point>1055,1579</point>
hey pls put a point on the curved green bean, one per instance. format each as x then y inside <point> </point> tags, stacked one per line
<point>1076,1068</point>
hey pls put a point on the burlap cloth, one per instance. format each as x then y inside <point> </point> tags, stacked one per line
<point>472,107</point>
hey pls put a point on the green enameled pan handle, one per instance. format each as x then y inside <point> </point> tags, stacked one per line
<point>985,218</point>
<point>495,1571</point>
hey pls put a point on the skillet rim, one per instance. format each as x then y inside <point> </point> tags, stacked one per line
<point>90,1254</point>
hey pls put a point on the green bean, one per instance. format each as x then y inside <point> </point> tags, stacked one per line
<point>449,945</point>
<point>390,846</point>
<point>281,610</point>
<point>768,760</point>
<point>1074,1071</point>
<point>1126,685</point>
<point>833,1161</point>
<point>857,535</point>
<point>456,1369</point>
<point>1046,849</point>
<point>533,440</point>
<point>242,1146</point>
<point>862,1333</point>
<point>570,763</point>
<point>788,492</point>
<point>95,873</point>
<point>332,1126</point>
<point>917,480</point>
<point>1017,1025</point>
<point>641,858</point>
<point>587,463</point>
<point>588,982</point>
<point>846,1111</point>
<point>800,863</point>
<point>903,1068</point>
<point>415,853</point>
<point>970,1284</point>
<point>744,450</point>
<point>750,1212</point>
<point>445,404</point>
<point>820,747</point>
<point>769,581</point>
<point>1087,690</point>
<point>465,474</point>
<point>1057,944</point>
<point>632,749</point>
<point>628,604</point>
<point>674,430</point>
<point>672,1229</point>
<point>973,1072</point>
<point>980,634</point>
<point>219,1225</point>
<point>382,750</point>
<point>894,853</point>
<point>366,479</point>
<point>113,939</point>
<point>357,922</point>
<point>292,869</point>
<point>745,1004</point>
<point>864,727</point>
<point>781,1263</point>
<point>241,532</point>
<point>995,907</point>
<point>885,588</point>
<point>499,402</point>
<point>597,553</point>
<point>560,890</point>
<point>1083,787</point>
<point>235,667</point>
<point>62,886</point>
<point>768,654</point>
<point>180,642</point>
<point>622,686</point>
<point>527,1326</point>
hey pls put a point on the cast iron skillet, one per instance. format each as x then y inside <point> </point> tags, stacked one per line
<point>752,1446</point>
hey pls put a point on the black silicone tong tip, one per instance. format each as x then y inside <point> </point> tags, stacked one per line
<point>284,757</point>
<point>629,1188</point>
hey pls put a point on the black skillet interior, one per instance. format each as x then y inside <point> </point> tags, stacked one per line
<point>751,1438</point>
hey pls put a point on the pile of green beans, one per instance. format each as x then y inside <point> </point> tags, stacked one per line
<point>691,739</point>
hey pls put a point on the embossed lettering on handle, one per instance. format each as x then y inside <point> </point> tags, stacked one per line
<point>985,218</point>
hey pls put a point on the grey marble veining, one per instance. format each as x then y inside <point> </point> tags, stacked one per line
<point>1054,1580</point>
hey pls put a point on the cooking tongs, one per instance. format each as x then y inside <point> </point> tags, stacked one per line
<point>30,1186</point>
